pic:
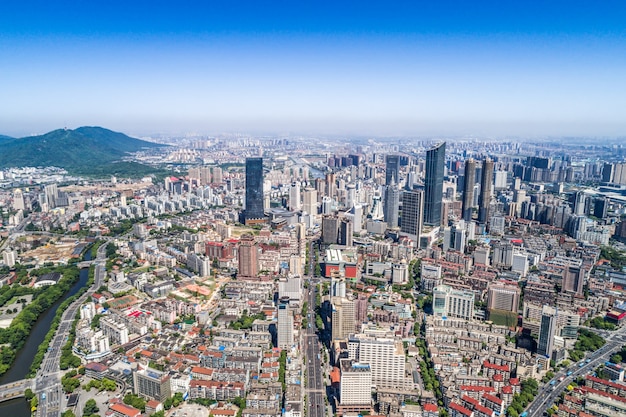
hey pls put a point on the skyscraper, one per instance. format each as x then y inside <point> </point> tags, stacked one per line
<point>547,330</point>
<point>468,189</point>
<point>392,169</point>
<point>310,200</point>
<point>343,318</point>
<point>294,196</point>
<point>392,201</point>
<point>433,184</point>
<point>485,191</point>
<point>254,191</point>
<point>412,213</point>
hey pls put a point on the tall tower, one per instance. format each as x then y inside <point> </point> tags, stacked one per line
<point>392,201</point>
<point>412,212</point>
<point>254,190</point>
<point>248,256</point>
<point>392,169</point>
<point>433,184</point>
<point>468,189</point>
<point>485,191</point>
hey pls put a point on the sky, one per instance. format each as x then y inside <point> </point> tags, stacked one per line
<point>458,68</point>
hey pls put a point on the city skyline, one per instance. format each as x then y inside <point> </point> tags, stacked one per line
<point>449,68</point>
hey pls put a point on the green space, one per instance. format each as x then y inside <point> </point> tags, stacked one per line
<point>503,318</point>
<point>587,341</point>
<point>530,388</point>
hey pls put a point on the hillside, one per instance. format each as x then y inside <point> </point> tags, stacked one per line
<point>80,151</point>
<point>4,138</point>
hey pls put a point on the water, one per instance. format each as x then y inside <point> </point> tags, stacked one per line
<point>19,407</point>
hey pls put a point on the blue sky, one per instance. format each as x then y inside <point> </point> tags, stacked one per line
<point>407,68</point>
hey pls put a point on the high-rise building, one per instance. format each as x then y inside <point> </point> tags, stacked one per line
<point>294,196</point>
<point>573,279</point>
<point>309,198</point>
<point>547,330</point>
<point>343,318</point>
<point>412,213</point>
<point>355,388</point>
<point>385,357</point>
<point>486,183</point>
<point>503,297</point>
<point>330,185</point>
<point>330,229</point>
<point>285,325</point>
<point>18,200</point>
<point>345,232</point>
<point>152,384</point>
<point>468,189</point>
<point>392,169</point>
<point>248,256</point>
<point>254,191</point>
<point>433,184</point>
<point>392,202</point>
<point>448,302</point>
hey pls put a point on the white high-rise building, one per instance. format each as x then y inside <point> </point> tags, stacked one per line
<point>285,325</point>
<point>448,302</point>
<point>343,318</point>
<point>309,198</point>
<point>385,357</point>
<point>18,200</point>
<point>294,196</point>
<point>9,258</point>
<point>356,383</point>
<point>290,287</point>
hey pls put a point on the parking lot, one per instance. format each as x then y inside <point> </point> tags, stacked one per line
<point>189,410</point>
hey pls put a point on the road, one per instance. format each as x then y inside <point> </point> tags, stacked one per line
<point>548,393</point>
<point>315,388</point>
<point>48,379</point>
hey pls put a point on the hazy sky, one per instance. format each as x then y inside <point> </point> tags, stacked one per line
<point>407,68</point>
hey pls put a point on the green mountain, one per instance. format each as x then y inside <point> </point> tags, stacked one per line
<point>82,151</point>
<point>4,138</point>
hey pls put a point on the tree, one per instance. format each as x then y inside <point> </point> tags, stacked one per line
<point>28,394</point>
<point>90,407</point>
<point>617,358</point>
<point>68,413</point>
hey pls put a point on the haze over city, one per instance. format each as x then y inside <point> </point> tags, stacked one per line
<point>440,68</point>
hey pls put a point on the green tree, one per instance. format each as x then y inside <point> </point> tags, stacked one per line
<point>90,407</point>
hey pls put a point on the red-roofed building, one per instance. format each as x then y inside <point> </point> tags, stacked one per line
<point>153,406</point>
<point>123,410</point>
<point>494,403</point>
<point>430,410</point>
<point>201,373</point>
<point>490,369</point>
<point>475,391</point>
<point>507,395</point>
<point>457,410</point>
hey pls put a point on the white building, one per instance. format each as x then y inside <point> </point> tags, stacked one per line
<point>356,383</point>
<point>448,302</point>
<point>384,356</point>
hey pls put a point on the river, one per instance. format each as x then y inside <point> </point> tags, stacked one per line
<point>19,407</point>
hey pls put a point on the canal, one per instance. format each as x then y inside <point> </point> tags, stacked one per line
<point>20,407</point>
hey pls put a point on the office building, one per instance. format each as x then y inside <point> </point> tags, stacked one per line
<point>248,256</point>
<point>547,330</point>
<point>385,357</point>
<point>294,196</point>
<point>392,169</point>
<point>355,388</point>
<point>285,324</point>
<point>330,229</point>
<point>152,384</point>
<point>485,191</point>
<point>573,280</point>
<point>343,318</point>
<point>254,212</point>
<point>503,297</point>
<point>448,302</point>
<point>309,198</point>
<point>392,203</point>
<point>412,213</point>
<point>468,189</point>
<point>345,233</point>
<point>433,184</point>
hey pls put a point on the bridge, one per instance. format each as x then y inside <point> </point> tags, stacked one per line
<point>15,389</point>
<point>84,264</point>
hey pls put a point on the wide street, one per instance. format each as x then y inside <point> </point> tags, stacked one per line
<point>548,393</point>
<point>48,379</point>
<point>315,389</point>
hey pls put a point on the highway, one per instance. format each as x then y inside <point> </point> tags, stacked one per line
<point>315,389</point>
<point>48,379</point>
<point>548,393</point>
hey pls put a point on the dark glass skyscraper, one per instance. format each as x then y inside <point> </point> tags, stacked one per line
<point>468,188</point>
<point>254,190</point>
<point>433,184</point>
<point>392,169</point>
<point>485,191</point>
